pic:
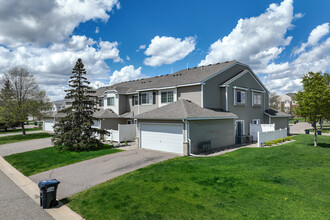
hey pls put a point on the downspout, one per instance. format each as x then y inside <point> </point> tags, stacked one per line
<point>188,138</point>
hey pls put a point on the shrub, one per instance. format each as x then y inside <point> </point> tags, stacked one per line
<point>280,140</point>
<point>275,141</point>
<point>268,143</point>
<point>288,138</point>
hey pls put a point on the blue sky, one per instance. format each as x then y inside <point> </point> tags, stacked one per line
<point>280,40</point>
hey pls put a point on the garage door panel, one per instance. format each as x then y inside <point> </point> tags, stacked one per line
<point>49,125</point>
<point>162,137</point>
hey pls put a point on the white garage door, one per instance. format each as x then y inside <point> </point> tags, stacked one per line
<point>49,123</point>
<point>164,137</point>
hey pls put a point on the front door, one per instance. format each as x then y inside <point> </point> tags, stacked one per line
<point>239,131</point>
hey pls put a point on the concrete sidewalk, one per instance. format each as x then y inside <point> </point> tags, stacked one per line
<point>30,189</point>
<point>83,175</point>
<point>23,146</point>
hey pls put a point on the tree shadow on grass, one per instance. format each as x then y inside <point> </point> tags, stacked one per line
<point>323,145</point>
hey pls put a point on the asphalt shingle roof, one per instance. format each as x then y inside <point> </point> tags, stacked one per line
<point>187,76</point>
<point>102,113</point>
<point>183,109</point>
<point>276,113</point>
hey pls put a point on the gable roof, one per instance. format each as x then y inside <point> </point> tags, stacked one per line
<point>184,109</point>
<point>275,113</point>
<point>187,76</point>
<point>102,113</point>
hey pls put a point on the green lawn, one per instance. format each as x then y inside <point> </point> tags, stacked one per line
<point>324,130</point>
<point>20,137</point>
<point>290,181</point>
<point>18,130</point>
<point>37,161</point>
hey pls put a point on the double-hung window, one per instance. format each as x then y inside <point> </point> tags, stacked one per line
<point>101,102</point>
<point>240,97</point>
<point>110,101</point>
<point>167,97</point>
<point>256,98</point>
<point>146,98</point>
<point>135,100</point>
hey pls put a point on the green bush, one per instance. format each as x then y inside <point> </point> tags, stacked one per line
<point>288,138</point>
<point>280,140</point>
<point>268,143</point>
<point>275,141</point>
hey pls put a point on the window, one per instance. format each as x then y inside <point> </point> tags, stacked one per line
<point>110,101</point>
<point>167,97</point>
<point>240,97</point>
<point>135,100</point>
<point>146,98</point>
<point>256,121</point>
<point>101,102</point>
<point>256,98</point>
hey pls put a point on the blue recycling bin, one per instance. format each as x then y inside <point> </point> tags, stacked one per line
<point>48,189</point>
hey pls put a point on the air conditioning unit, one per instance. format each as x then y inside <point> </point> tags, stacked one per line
<point>240,140</point>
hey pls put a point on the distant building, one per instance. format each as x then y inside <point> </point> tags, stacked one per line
<point>287,102</point>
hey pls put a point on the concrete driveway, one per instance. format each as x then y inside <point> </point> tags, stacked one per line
<point>23,146</point>
<point>83,175</point>
<point>15,204</point>
<point>299,128</point>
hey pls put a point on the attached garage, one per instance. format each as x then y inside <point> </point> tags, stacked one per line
<point>49,124</point>
<point>180,127</point>
<point>162,136</point>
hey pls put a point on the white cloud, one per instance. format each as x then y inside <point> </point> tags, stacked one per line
<point>53,65</point>
<point>128,58</point>
<point>125,74</point>
<point>256,40</point>
<point>97,30</point>
<point>141,47</point>
<point>167,50</point>
<point>314,37</point>
<point>42,22</point>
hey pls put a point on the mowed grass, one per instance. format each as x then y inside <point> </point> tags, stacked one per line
<point>290,181</point>
<point>37,161</point>
<point>20,137</point>
<point>18,130</point>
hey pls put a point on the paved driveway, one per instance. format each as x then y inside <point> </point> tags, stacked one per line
<point>27,132</point>
<point>299,128</point>
<point>83,175</point>
<point>23,146</point>
<point>15,204</point>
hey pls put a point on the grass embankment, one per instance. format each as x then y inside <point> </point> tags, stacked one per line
<point>20,137</point>
<point>290,181</point>
<point>37,161</point>
<point>18,130</point>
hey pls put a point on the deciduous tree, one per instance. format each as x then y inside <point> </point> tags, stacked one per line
<point>314,100</point>
<point>28,98</point>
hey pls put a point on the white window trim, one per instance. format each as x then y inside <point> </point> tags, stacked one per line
<point>137,98</point>
<point>150,94</point>
<point>175,92</point>
<point>253,92</point>
<point>114,101</point>
<point>245,98</point>
<point>257,120</point>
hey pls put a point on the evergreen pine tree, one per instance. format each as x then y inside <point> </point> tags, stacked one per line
<point>74,132</point>
<point>6,103</point>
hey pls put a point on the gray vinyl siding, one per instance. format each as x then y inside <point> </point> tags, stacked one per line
<point>280,122</point>
<point>211,90</point>
<point>139,109</point>
<point>219,132</point>
<point>122,104</point>
<point>112,123</point>
<point>192,93</point>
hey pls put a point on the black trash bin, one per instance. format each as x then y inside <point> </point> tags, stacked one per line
<point>48,189</point>
<point>35,123</point>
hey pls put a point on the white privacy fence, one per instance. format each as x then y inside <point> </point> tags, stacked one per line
<point>255,128</point>
<point>271,135</point>
<point>124,133</point>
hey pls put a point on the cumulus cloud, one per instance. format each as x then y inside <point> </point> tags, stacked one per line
<point>97,30</point>
<point>256,40</point>
<point>286,77</point>
<point>167,50</point>
<point>42,22</point>
<point>314,37</point>
<point>53,65</point>
<point>141,47</point>
<point>125,74</point>
<point>128,58</point>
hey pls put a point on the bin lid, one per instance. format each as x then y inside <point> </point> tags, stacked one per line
<point>51,182</point>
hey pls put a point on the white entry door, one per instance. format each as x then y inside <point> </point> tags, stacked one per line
<point>163,137</point>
